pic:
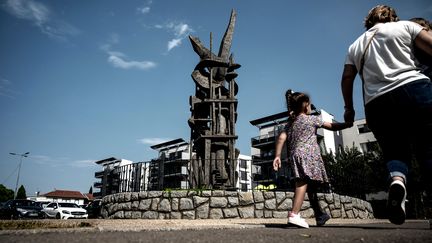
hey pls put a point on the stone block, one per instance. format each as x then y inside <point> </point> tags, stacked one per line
<point>200,200</point>
<point>280,214</point>
<point>150,215</point>
<point>259,206</point>
<point>270,203</point>
<point>233,201</point>
<point>202,212</point>
<point>230,213</point>
<point>259,214</point>
<point>144,204</point>
<point>258,196</point>
<point>280,196</point>
<point>216,213</point>
<point>142,195</point>
<point>246,212</point>
<point>246,198</point>
<point>152,194</point>
<point>269,195</point>
<point>135,196</point>
<point>186,204</point>
<point>218,193</point>
<point>188,214</point>
<point>178,194</point>
<point>285,204</point>
<point>175,204</point>
<point>218,202</point>
<point>164,206</point>
<point>175,215</point>
<point>155,203</point>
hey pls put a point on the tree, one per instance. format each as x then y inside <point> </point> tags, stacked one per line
<point>21,194</point>
<point>5,193</point>
<point>91,190</point>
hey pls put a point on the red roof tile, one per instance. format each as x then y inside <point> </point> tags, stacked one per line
<point>65,194</point>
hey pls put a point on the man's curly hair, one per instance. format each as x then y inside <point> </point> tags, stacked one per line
<point>380,14</point>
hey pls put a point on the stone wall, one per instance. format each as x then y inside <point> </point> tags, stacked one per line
<point>225,204</point>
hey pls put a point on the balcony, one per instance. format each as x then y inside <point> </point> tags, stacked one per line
<point>262,141</point>
<point>97,184</point>
<point>99,174</point>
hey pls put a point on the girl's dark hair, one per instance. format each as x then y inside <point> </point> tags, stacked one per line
<point>380,14</point>
<point>296,103</point>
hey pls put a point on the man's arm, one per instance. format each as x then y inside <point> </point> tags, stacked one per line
<point>347,84</point>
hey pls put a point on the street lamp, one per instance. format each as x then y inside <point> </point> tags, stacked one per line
<point>19,169</point>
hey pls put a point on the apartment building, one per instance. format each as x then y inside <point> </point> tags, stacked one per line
<point>120,175</point>
<point>170,169</point>
<point>360,136</point>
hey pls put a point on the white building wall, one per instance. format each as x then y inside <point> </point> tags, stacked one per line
<point>354,137</point>
<point>247,170</point>
<point>329,137</point>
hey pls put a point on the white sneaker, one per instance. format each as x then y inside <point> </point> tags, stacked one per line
<point>295,219</point>
<point>396,202</point>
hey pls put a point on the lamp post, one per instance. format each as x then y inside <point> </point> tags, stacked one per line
<point>19,169</point>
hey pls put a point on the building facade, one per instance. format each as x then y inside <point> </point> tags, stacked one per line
<point>360,136</point>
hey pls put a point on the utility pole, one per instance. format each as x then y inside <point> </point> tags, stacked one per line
<point>19,169</point>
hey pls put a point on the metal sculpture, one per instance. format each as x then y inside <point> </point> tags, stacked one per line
<point>213,115</point>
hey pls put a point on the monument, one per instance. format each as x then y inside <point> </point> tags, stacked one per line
<point>213,115</point>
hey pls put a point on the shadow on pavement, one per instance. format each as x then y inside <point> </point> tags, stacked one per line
<point>379,226</point>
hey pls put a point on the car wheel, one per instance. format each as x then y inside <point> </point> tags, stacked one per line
<point>58,216</point>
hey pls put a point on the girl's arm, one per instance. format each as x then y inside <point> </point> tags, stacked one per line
<point>336,126</point>
<point>279,144</point>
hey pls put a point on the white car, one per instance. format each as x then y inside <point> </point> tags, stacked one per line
<point>63,210</point>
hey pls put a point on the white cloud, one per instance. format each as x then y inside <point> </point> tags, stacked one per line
<point>41,16</point>
<point>118,61</point>
<point>144,10</point>
<point>180,31</point>
<point>153,141</point>
<point>173,43</point>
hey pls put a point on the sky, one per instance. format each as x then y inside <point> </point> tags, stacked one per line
<point>82,81</point>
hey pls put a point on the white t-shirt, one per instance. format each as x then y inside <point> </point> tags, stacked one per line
<point>389,60</point>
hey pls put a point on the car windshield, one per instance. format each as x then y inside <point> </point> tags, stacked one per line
<point>68,205</point>
<point>24,203</point>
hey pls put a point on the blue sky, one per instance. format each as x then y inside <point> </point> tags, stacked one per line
<point>81,81</point>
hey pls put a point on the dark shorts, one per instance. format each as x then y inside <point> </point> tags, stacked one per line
<point>401,121</point>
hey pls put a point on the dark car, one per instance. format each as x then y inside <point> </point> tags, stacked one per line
<point>21,208</point>
<point>94,209</point>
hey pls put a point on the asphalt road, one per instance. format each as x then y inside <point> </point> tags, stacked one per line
<point>240,231</point>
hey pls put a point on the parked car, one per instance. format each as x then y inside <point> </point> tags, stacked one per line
<point>42,204</point>
<point>64,211</point>
<point>94,208</point>
<point>21,208</point>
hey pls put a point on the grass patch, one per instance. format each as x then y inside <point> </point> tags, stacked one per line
<point>41,224</point>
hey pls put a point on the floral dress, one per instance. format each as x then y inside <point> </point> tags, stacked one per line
<point>304,155</point>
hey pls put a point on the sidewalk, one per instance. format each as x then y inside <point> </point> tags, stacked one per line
<point>142,225</point>
<point>168,225</point>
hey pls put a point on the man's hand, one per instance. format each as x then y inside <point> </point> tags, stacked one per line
<point>276,163</point>
<point>349,115</point>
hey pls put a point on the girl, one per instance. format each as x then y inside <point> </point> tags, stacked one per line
<point>304,156</point>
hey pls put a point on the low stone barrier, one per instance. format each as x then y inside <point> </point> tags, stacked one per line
<point>225,204</point>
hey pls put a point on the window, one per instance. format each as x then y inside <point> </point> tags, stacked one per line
<point>368,146</point>
<point>243,175</point>
<point>363,128</point>
<point>243,163</point>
